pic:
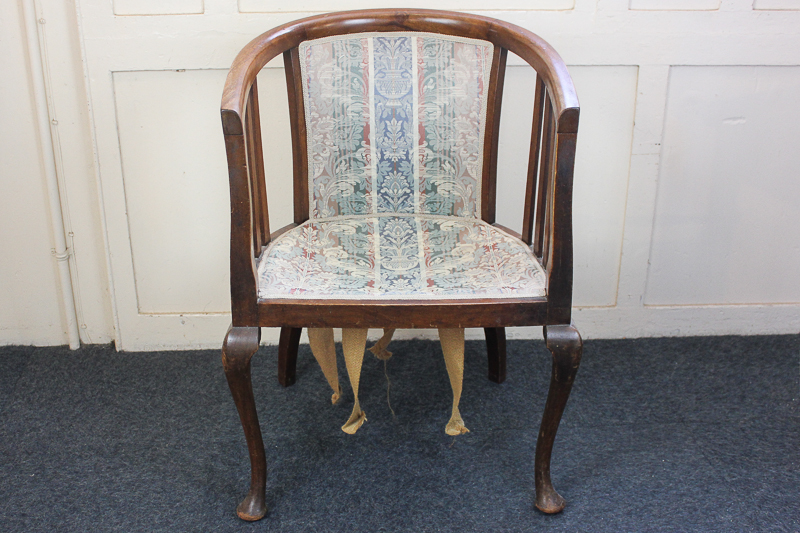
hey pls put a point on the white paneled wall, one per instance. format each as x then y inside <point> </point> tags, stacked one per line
<point>676,5</point>
<point>686,180</point>
<point>724,218</point>
<point>29,310</point>
<point>158,7</point>
<point>608,97</point>
<point>169,188</point>
<point>272,6</point>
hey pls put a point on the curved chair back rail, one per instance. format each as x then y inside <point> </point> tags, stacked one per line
<point>529,46</point>
<point>547,218</point>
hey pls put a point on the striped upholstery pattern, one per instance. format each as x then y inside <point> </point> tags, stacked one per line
<point>395,123</point>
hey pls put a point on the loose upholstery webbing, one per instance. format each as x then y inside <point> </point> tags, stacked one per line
<point>354,342</point>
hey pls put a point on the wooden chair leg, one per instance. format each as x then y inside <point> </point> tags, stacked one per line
<point>287,355</point>
<point>237,350</point>
<point>496,347</point>
<point>565,343</point>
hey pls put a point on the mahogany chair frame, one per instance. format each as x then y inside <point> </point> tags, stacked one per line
<point>547,222</point>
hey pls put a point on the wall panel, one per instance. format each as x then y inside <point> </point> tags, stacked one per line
<point>30,310</point>
<point>173,159</point>
<point>726,224</point>
<point>272,6</point>
<point>675,5</point>
<point>608,96</point>
<point>154,199</point>
<point>157,7</point>
<point>788,5</point>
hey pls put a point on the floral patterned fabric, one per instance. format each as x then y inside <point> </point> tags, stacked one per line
<point>398,257</point>
<point>395,123</point>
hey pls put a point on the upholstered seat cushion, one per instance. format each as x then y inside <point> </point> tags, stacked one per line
<point>393,256</point>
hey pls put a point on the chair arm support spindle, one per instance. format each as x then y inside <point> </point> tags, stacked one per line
<point>255,167</point>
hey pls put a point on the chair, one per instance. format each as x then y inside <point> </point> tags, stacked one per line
<point>394,123</point>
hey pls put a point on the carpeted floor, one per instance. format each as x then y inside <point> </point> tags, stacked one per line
<point>687,434</point>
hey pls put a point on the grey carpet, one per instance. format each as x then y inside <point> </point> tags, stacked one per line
<point>688,434</point>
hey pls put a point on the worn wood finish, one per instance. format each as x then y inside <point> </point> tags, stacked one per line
<point>496,348</point>
<point>565,343</point>
<point>401,314</point>
<point>507,230</point>
<point>255,166</point>
<point>494,98</point>
<point>547,220</point>
<point>547,212</point>
<point>277,233</point>
<point>533,162</point>
<point>237,350</point>
<point>559,257</point>
<point>542,197</point>
<point>287,355</point>
<point>297,121</point>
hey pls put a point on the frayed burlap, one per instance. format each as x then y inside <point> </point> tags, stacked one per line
<point>324,350</point>
<point>354,342</point>
<point>379,348</point>
<point>453,349</point>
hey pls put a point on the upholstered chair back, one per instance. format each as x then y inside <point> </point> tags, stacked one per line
<point>395,123</point>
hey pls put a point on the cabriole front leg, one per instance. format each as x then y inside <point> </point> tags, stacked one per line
<point>237,350</point>
<point>565,343</point>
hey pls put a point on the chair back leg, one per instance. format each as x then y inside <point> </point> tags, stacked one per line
<point>565,343</point>
<point>496,348</point>
<point>287,355</point>
<point>237,350</point>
